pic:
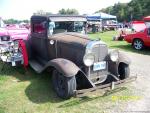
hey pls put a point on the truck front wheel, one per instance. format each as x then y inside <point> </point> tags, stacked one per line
<point>124,71</point>
<point>63,86</point>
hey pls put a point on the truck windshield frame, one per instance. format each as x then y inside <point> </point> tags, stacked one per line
<point>69,26</point>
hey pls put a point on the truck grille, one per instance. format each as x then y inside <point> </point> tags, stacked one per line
<point>100,51</point>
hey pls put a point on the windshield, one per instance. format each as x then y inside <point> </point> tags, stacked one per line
<point>60,27</point>
<point>2,24</point>
<point>147,24</point>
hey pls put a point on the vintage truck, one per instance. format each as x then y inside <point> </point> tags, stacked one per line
<point>78,63</point>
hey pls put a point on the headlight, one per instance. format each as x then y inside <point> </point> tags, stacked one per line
<point>5,38</point>
<point>15,45</point>
<point>114,55</point>
<point>88,59</point>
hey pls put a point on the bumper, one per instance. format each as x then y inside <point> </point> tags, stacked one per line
<point>112,85</point>
<point>9,55</point>
<point>14,60</point>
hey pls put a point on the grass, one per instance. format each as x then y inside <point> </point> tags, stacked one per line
<point>24,91</point>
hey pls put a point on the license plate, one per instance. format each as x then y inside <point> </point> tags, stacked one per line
<point>13,63</point>
<point>99,66</point>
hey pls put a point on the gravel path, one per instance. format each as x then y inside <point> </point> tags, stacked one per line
<point>141,67</point>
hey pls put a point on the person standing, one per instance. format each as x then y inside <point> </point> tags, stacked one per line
<point>51,28</point>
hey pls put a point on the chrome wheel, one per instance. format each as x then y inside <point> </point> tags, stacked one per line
<point>138,44</point>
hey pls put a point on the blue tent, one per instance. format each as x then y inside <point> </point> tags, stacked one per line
<point>99,16</point>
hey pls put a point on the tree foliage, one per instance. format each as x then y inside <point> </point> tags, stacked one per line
<point>68,11</point>
<point>134,10</point>
<point>41,12</point>
<point>14,21</point>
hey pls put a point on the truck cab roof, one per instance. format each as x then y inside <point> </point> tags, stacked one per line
<point>59,18</point>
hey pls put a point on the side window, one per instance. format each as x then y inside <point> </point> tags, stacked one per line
<point>78,26</point>
<point>60,27</point>
<point>39,27</point>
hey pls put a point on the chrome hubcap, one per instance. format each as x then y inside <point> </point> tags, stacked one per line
<point>138,44</point>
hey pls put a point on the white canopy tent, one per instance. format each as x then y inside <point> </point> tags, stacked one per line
<point>99,16</point>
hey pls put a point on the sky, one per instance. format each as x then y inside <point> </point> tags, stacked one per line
<point>23,9</point>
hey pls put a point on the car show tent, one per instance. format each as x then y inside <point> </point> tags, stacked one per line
<point>100,16</point>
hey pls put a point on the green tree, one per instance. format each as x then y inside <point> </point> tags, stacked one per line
<point>68,11</point>
<point>11,21</point>
<point>122,14</point>
<point>134,10</point>
<point>62,11</point>
<point>14,21</point>
<point>41,12</point>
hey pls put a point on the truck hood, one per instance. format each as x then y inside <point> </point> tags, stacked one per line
<point>15,33</point>
<point>72,38</point>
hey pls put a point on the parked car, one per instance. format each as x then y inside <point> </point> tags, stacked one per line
<point>78,64</point>
<point>140,38</point>
<point>9,33</point>
<point>13,31</point>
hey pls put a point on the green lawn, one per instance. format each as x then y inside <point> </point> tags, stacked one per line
<point>27,92</point>
<point>24,91</point>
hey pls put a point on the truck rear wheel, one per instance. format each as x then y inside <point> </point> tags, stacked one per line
<point>63,86</point>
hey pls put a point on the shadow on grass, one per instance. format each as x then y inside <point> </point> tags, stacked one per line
<point>87,99</point>
<point>20,73</point>
<point>39,90</point>
<point>129,48</point>
<point>2,110</point>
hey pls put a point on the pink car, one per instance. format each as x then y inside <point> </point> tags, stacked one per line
<point>8,42</point>
<point>13,32</point>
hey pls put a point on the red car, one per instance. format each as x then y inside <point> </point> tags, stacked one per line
<point>140,38</point>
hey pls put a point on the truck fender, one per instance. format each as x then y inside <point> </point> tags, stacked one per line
<point>123,58</point>
<point>113,66</point>
<point>64,66</point>
<point>68,68</point>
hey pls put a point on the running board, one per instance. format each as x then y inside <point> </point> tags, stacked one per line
<point>36,66</point>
